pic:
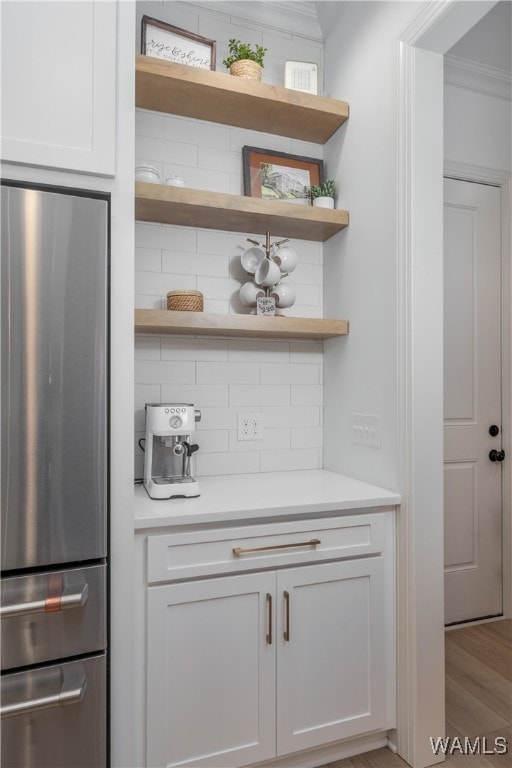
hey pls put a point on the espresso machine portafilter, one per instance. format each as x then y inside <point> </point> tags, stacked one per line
<point>169,450</point>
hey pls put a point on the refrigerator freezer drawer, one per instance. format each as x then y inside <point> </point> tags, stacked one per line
<point>55,716</point>
<point>52,615</point>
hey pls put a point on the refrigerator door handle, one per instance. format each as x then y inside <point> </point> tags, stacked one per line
<point>67,695</point>
<point>49,604</point>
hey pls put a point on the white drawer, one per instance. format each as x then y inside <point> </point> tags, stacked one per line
<point>201,553</point>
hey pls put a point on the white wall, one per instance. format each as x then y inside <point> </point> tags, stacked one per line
<point>224,377</point>
<point>360,265</point>
<point>478,94</point>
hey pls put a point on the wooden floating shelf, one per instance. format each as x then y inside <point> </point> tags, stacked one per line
<point>216,210</point>
<point>164,86</point>
<point>249,326</point>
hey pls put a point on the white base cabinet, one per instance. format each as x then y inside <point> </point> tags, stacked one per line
<point>249,668</point>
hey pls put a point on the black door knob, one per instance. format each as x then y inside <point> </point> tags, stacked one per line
<point>494,430</point>
<point>495,455</point>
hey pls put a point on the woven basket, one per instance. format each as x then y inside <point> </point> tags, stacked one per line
<point>247,68</point>
<point>185,301</point>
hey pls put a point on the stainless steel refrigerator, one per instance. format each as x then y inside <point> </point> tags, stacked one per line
<point>54,333</point>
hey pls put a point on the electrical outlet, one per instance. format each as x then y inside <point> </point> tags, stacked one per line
<point>250,426</point>
<point>366,430</point>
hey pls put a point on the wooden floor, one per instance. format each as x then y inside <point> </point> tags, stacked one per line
<point>478,699</point>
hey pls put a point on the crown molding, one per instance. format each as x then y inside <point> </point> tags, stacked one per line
<point>480,78</point>
<point>328,13</point>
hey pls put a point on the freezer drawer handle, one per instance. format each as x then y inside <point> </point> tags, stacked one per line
<point>243,551</point>
<point>48,605</point>
<point>70,696</point>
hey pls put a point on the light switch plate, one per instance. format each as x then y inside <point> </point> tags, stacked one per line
<point>366,430</point>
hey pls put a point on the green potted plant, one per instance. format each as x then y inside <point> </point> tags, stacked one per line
<point>244,60</point>
<point>323,194</point>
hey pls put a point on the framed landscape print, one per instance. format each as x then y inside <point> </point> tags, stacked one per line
<point>163,41</point>
<point>280,176</point>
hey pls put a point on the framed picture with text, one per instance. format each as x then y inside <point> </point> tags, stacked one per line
<point>163,41</point>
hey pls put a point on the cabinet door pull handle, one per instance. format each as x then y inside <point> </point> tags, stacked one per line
<point>286,632</point>
<point>243,551</point>
<point>269,609</point>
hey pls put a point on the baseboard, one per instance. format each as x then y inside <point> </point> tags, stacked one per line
<point>320,756</point>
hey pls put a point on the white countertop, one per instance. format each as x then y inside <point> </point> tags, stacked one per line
<point>229,498</point>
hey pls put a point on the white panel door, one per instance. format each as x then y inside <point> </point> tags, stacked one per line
<point>472,401</point>
<point>211,672</point>
<point>58,84</point>
<point>332,653</point>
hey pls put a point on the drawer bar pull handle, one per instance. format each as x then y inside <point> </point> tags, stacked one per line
<point>69,696</point>
<point>243,551</point>
<point>286,633</point>
<point>46,605</point>
<point>269,606</point>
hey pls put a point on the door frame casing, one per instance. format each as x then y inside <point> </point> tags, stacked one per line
<point>503,181</point>
<point>420,558</point>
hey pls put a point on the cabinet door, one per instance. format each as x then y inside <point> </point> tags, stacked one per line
<point>332,652</point>
<point>210,672</point>
<point>59,84</point>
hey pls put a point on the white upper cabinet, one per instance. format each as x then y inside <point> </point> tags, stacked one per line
<point>59,84</point>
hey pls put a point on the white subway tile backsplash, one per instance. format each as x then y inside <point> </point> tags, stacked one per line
<point>199,178</point>
<point>217,287</point>
<point>273,439</point>
<point>201,395</point>
<point>290,373</point>
<point>195,264</point>
<point>222,243</point>
<point>228,463</point>
<point>224,376</point>
<point>217,418</point>
<point>309,394</point>
<point>163,151</point>
<point>306,437</point>
<point>285,461</point>
<point>293,416</point>
<point>160,283</point>
<point>261,350</point>
<point>165,236</point>
<point>307,351</point>
<point>164,372</point>
<point>148,302</point>
<point>203,134</point>
<point>148,259</point>
<point>193,348</point>
<point>212,441</point>
<point>219,160</point>
<point>146,393</point>
<point>149,124</point>
<point>228,373</point>
<point>258,394</point>
<point>147,347</point>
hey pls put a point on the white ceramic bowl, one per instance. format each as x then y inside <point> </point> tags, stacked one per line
<point>248,294</point>
<point>251,258</point>
<point>286,258</point>
<point>267,273</point>
<point>146,172</point>
<point>284,294</point>
<point>176,181</point>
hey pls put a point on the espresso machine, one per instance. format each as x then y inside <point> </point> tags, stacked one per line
<point>169,450</point>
